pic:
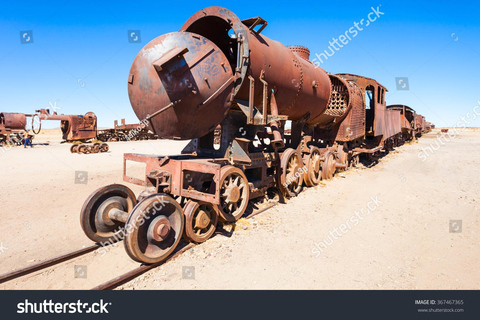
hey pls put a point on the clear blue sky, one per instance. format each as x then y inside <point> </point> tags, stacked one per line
<point>80,56</point>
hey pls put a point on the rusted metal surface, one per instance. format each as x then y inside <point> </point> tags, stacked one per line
<point>89,148</point>
<point>180,176</point>
<point>211,66</point>
<point>376,119</point>
<point>74,127</point>
<point>407,119</point>
<point>196,82</point>
<point>11,124</point>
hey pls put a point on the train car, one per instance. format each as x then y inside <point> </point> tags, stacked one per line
<point>383,126</point>
<point>230,90</point>
<point>11,124</point>
<point>419,125</point>
<point>407,116</point>
<point>127,132</point>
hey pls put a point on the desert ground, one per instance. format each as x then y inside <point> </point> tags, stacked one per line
<point>388,226</point>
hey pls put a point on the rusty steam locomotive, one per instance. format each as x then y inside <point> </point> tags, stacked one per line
<point>221,83</point>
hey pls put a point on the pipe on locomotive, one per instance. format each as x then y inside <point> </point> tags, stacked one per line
<point>185,82</point>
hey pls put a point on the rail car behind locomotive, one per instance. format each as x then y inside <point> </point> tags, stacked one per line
<point>11,123</point>
<point>219,79</point>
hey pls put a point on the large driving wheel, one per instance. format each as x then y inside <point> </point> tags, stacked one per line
<point>154,229</point>
<point>96,215</point>
<point>314,168</point>
<point>291,178</point>
<point>200,220</point>
<point>234,194</point>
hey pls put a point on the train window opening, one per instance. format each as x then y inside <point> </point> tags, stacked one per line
<point>379,95</point>
<point>217,137</point>
<point>369,108</point>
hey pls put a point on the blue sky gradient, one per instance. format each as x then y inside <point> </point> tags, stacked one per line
<point>80,56</point>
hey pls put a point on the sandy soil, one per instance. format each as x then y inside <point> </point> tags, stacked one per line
<point>405,242</point>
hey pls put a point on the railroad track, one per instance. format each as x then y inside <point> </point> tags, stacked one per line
<point>46,264</point>
<point>115,282</point>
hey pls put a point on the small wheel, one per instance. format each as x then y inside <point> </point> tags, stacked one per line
<point>234,194</point>
<point>82,148</point>
<point>96,147</point>
<point>74,148</point>
<point>314,168</point>
<point>104,147</point>
<point>292,168</point>
<point>200,220</point>
<point>154,229</point>
<point>328,166</point>
<point>88,149</point>
<point>94,217</point>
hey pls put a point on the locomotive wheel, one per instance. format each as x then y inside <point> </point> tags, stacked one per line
<point>154,229</point>
<point>88,149</point>
<point>74,148</point>
<point>96,147</point>
<point>314,168</point>
<point>200,220</point>
<point>104,147</point>
<point>328,166</point>
<point>342,157</point>
<point>82,148</point>
<point>291,178</point>
<point>94,217</point>
<point>234,194</point>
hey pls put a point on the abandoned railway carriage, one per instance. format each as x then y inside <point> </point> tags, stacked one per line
<point>11,123</point>
<point>220,82</point>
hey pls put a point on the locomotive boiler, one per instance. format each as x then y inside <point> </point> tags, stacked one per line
<point>221,83</point>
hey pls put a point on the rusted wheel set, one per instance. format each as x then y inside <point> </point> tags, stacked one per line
<point>89,148</point>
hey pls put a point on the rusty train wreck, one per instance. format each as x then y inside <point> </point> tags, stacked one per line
<point>75,128</point>
<point>11,124</point>
<point>220,82</point>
